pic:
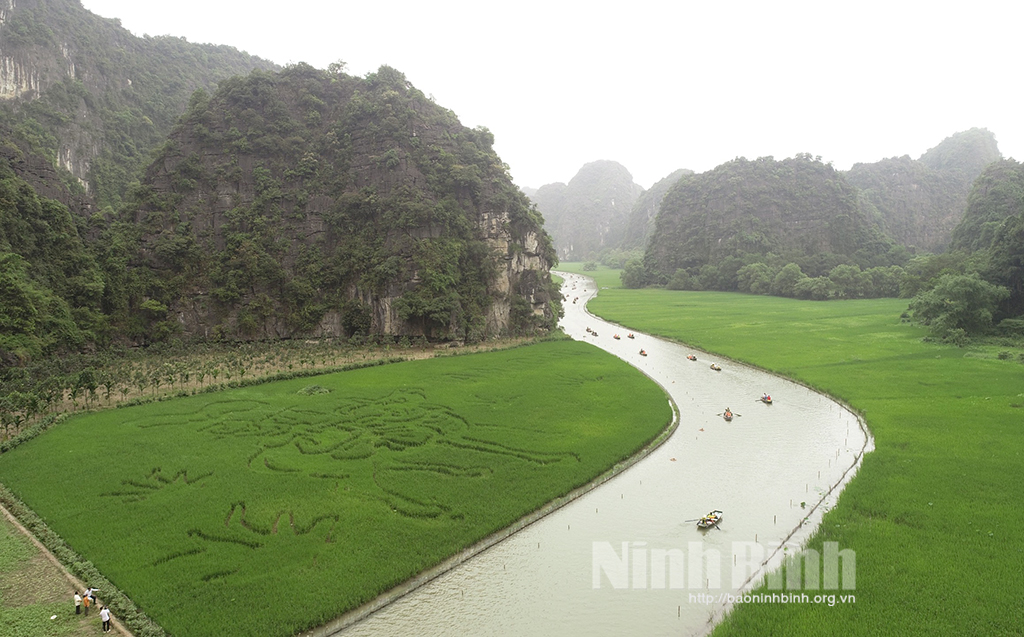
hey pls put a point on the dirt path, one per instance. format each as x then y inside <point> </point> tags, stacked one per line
<point>44,579</point>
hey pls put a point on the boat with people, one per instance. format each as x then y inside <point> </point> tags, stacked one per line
<point>643,352</point>
<point>727,414</point>
<point>716,367</point>
<point>630,335</point>
<point>710,520</point>
<point>766,399</point>
<point>616,337</point>
<point>691,357</point>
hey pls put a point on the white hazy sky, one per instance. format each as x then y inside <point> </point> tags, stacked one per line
<point>655,85</point>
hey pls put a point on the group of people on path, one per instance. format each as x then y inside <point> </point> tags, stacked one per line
<point>89,599</point>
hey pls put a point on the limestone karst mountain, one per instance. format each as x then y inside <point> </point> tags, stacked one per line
<point>281,204</point>
<point>921,201</point>
<point>90,98</point>
<point>590,213</point>
<point>796,206</point>
<point>645,211</point>
<point>313,202</point>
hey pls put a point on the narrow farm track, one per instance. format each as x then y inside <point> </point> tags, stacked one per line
<point>76,584</point>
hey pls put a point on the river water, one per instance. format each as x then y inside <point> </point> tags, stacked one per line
<point>627,557</point>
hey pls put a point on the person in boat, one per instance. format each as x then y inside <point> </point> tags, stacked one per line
<point>728,413</point>
<point>643,353</point>
<point>765,398</point>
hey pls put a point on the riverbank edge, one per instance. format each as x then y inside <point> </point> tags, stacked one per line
<point>356,615</point>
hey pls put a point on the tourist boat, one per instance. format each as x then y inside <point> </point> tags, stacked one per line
<point>643,352</point>
<point>766,400</point>
<point>710,520</point>
<point>616,337</point>
<point>715,367</point>
<point>691,357</point>
<point>630,336</point>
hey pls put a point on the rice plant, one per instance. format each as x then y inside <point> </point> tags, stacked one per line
<point>266,510</point>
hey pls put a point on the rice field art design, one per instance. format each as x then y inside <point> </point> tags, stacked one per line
<point>330,445</point>
<point>263,511</point>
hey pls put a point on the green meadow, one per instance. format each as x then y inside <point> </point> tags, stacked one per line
<point>934,514</point>
<point>273,508</point>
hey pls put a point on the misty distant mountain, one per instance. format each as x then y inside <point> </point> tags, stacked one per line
<point>920,201</point>
<point>590,213</point>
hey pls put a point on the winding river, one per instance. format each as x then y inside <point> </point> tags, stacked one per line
<point>627,558</point>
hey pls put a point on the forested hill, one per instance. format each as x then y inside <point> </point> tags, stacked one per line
<point>312,202</point>
<point>281,204</point>
<point>997,195</point>
<point>81,94</point>
<point>641,219</point>
<point>993,229</point>
<point>921,201</point>
<point>797,209</point>
<point>590,213</point>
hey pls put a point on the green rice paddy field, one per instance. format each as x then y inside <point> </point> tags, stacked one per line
<point>265,510</point>
<point>935,514</point>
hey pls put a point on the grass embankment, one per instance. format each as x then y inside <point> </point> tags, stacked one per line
<point>934,514</point>
<point>264,511</point>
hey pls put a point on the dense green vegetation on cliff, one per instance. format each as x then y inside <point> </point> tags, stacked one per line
<point>281,204</point>
<point>799,228</point>
<point>102,98</point>
<point>641,218</point>
<point>83,104</point>
<point>791,227</point>
<point>992,234</point>
<point>50,283</point>
<point>921,201</point>
<point>997,195</point>
<point>311,201</point>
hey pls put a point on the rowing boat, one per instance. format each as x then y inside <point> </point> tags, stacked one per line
<point>710,520</point>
